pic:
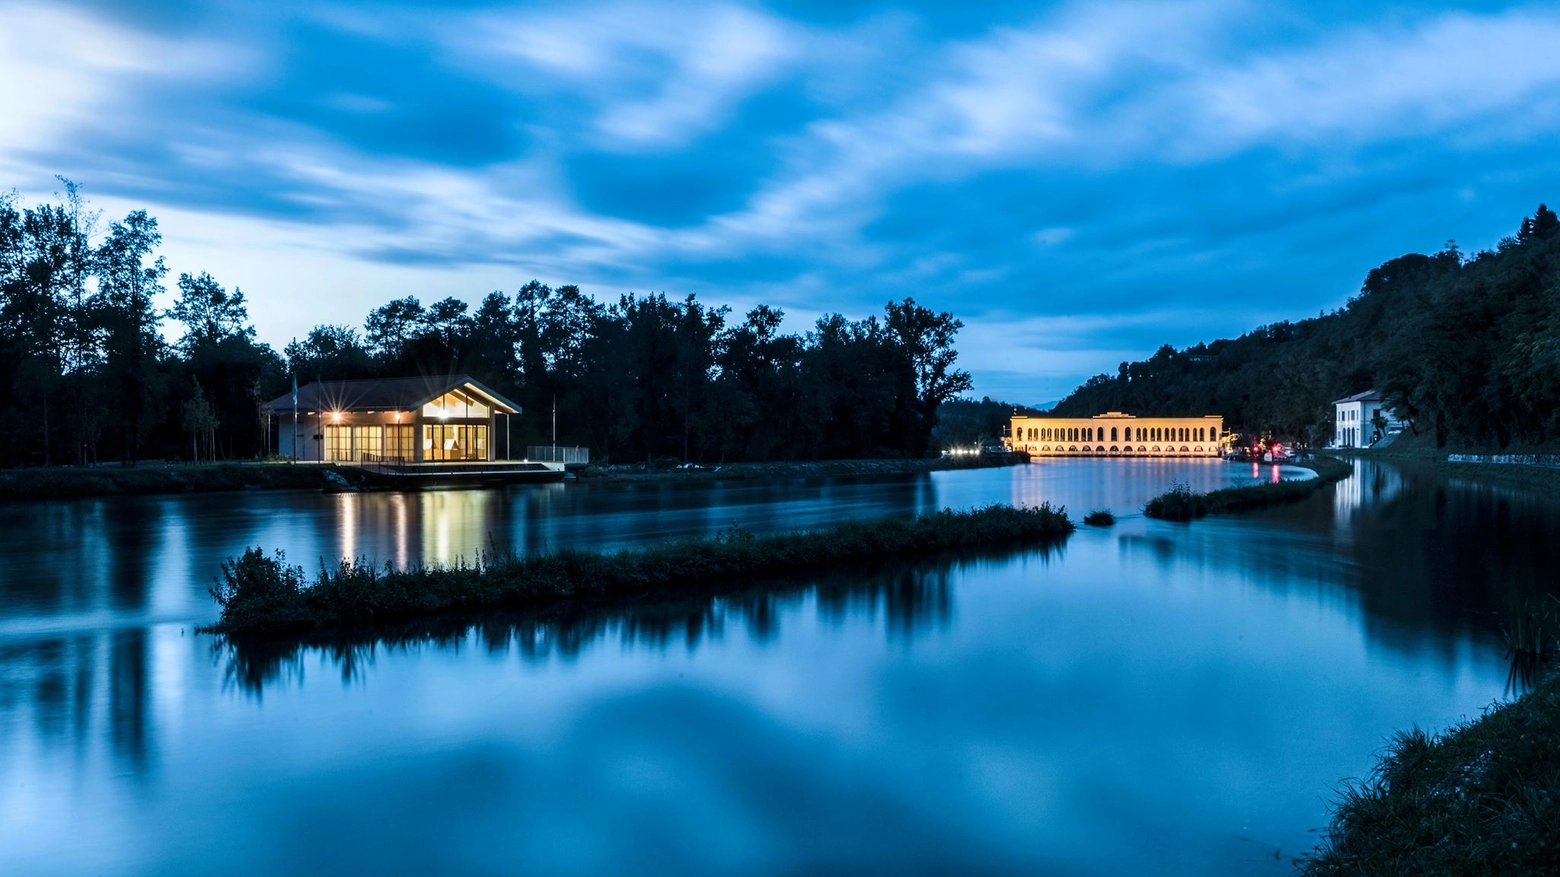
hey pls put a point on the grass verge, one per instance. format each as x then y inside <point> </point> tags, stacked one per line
<point>1481,799</point>
<point>261,595</point>
<point>63,482</point>
<point>1181,504</point>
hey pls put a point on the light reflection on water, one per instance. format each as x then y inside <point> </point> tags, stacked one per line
<point>1150,698</point>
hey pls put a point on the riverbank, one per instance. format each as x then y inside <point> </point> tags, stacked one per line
<point>69,482</point>
<point>1482,798</point>
<point>797,469</point>
<point>262,595</point>
<point>1513,474</point>
<point>72,482</point>
<point>1180,504</point>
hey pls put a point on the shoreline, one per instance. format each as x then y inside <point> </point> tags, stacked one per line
<point>151,479</point>
<point>1482,797</point>
<point>795,469</point>
<point>1545,478</point>
<point>263,596</point>
<point>1180,504</point>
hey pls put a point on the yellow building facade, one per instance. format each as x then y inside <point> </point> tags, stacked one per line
<point>1114,434</point>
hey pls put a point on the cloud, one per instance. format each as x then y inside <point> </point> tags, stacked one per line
<point>1377,83</point>
<point>65,70</point>
<point>661,76</point>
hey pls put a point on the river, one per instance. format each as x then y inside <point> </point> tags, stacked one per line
<point>1148,698</point>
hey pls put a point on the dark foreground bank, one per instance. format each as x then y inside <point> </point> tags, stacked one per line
<point>262,595</point>
<point>1181,504</point>
<point>1481,799</point>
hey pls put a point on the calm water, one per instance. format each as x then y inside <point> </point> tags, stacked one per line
<point>1150,698</point>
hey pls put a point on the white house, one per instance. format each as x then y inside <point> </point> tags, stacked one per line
<point>1355,421</point>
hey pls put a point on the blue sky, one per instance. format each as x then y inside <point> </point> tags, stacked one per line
<point>1080,183</point>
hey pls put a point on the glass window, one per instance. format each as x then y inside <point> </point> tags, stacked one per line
<point>454,442</point>
<point>338,444</point>
<point>456,404</point>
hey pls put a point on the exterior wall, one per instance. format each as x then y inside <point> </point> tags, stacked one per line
<point>1354,423</point>
<point>1117,435</point>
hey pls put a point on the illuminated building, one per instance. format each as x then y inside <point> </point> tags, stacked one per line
<point>1114,434</point>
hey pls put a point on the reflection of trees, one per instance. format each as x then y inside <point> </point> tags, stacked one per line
<point>61,683</point>
<point>1420,552</point>
<point>913,598</point>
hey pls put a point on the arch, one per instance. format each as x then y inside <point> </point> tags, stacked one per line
<point>1198,449</point>
<point>1100,449</point>
<point>1115,449</point>
<point>1185,449</point>
<point>1156,449</point>
<point>1073,449</point>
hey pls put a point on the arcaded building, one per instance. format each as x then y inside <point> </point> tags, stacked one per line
<point>1116,434</point>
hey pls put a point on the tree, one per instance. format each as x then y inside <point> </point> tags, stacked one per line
<point>127,283</point>
<point>209,313</point>
<point>926,339</point>
<point>390,326</point>
<point>328,351</point>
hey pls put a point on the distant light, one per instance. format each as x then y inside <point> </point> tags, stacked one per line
<point>335,416</point>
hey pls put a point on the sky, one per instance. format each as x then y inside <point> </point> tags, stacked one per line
<point>1079,183</point>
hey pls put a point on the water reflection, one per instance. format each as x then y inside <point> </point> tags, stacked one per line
<point>909,599</point>
<point>1158,698</point>
<point>77,688</point>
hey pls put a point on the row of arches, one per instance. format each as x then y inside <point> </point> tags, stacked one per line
<point>1140,450</point>
<point>1097,434</point>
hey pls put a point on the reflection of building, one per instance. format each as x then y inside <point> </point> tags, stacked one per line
<point>1362,420</point>
<point>396,420</point>
<point>1117,434</point>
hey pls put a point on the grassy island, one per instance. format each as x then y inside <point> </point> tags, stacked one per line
<point>262,595</point>
<point>1181,504</point>
<point>1483,798</point>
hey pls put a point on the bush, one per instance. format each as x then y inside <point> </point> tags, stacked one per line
<point>1099,518</point>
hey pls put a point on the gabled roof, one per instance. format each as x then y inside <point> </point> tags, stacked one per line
<point>1367,396</point>
<point>385,394</point>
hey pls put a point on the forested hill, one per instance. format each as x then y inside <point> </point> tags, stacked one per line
<point>1468,348</point>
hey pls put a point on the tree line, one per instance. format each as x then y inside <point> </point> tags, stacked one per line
<point>1467,348</point>
<point>89,376</point>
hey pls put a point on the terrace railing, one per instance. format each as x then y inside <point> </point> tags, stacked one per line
<point>558,454</point>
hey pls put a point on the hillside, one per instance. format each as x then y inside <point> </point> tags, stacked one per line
<point>1467,348</point>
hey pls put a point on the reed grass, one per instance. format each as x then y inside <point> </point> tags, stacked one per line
<point>263,595</point>
<point>1181,504</point>
<point>1481,799</point>
<point>1099,518</point>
